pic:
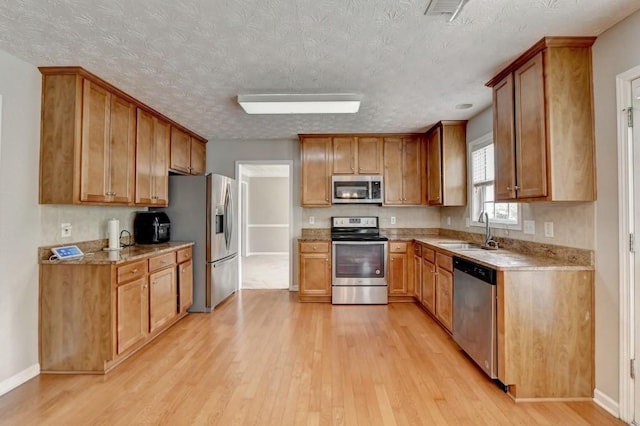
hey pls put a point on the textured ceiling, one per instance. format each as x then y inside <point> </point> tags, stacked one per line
<point>190,58</point>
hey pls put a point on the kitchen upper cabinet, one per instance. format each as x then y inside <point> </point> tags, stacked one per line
<point>152,158</point>
<point>447,164</point>
<point>107,147</point>
<point>357,155</point>
<point>188,154</point>
<point>403,170</point>
<point>316,171</point>
<point>88,145</point>
<point>543,123</point>
<point>314,271</point>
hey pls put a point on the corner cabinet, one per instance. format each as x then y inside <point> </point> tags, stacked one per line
<point>316,171</point>
<point>100,146</point>
<point>403,171</point>
<point>447,164</point>
<point>543,123</point>
<point>314,271</point>
<point>111,310</point>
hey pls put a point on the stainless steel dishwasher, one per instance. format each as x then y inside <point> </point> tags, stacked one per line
<point>474,313</point>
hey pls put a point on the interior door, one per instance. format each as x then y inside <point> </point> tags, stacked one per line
<point>634,227</point>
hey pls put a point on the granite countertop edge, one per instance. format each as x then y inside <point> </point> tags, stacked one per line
<point>127,254</point>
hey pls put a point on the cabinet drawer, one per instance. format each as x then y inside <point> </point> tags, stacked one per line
<point>131,271</point>
<point>184,254</point>
<point>162,261</point>
<point>428,254</point>
<point>417,249</point>
<point>444,261</point>
<point>397,247</point>
<point>314,247</point>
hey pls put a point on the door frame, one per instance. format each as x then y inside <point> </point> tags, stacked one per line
<point>626,401</point>
<point>289,164</point>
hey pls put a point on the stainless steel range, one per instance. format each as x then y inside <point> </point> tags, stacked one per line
<point>359,261</point>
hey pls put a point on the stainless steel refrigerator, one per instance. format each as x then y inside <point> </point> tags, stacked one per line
<point>202,209</point>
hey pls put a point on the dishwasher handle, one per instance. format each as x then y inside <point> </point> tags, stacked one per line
<point>481,272</point>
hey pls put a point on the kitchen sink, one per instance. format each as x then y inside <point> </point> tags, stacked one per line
<point>459,245</point>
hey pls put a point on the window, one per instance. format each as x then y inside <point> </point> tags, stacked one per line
<point>481,162</point>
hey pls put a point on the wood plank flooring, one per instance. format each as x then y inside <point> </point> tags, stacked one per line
<point>262,358</point>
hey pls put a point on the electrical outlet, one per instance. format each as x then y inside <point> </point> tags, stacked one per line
<point>529,227</point>
<point>548,229</point>
<point>393,220</point>
<point>312,220</point>
<point>65,230</point>
<point>448,220</point>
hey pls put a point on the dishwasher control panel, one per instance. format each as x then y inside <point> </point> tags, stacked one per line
<point>481,272</point>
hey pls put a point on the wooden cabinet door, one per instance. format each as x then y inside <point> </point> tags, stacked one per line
<point>417,277</point>
<point>393,174</point>
<point>96,107</point>
<point>398,284</point>
<point>434,168</point>
<point>180,152</point>
<point>122,151</point>
<point>444,297</point>
<point>429,286</point>
<point>160,163</point>
<point>185,285</point>
<point>344,155</point>
<point>144,157</point>
<point>316,171</point>
<point>412,172</point>
<point>132,301</point>
<point>531,139</point>
<point>198,157</point>
<point>504,140</point>
<point>315,274</point>
<point>369,155</point>
<point>162,297</point>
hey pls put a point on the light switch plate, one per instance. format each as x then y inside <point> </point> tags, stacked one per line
<point>393,220</point>
<point>312,220</point>
<point>529,227</point>
<point>448,220</point>
<point>548,229</point>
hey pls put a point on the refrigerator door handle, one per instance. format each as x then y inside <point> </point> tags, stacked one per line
<point>228,219</point>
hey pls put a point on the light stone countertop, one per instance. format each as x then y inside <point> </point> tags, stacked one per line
<point>501,259</point>
<point>127,254</point>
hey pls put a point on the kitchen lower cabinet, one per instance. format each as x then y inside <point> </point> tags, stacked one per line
<point>399,282</point>
<point>314,271</point>
<point>95,315</point>
<point>444,290</point>
<point>546,333</point>
<point>185,279</point>
<point>417,271</point>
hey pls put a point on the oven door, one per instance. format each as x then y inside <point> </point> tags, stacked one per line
<point>359,263</point>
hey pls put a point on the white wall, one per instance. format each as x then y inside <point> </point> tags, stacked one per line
<point>20,87</point>
<point>268,215</point>
<point>614,52</point>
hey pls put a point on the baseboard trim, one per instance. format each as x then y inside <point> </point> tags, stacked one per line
<point>608,404</point>
<point>18,379</point>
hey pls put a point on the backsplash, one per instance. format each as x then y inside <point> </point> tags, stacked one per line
<point>88,222</point>
<point>406,217</point>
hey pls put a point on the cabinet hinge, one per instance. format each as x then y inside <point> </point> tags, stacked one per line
<point>629,116</point>
<point>632,369</point>
<point>632,243</point>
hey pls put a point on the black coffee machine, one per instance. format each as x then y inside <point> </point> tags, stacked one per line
<point>151,228</point>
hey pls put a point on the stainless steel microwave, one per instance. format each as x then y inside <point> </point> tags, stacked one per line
<point>356,189</point>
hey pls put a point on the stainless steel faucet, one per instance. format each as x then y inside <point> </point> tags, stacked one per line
<point>489,243</point>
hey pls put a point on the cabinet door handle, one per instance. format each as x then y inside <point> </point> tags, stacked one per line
<point>144,286</point>
<point>155,282</point>
<point>164,261</point>
<point>133,271</point>
<point>184,270</point>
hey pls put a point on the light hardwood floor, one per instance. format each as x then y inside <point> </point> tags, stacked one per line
<point>262,358</point>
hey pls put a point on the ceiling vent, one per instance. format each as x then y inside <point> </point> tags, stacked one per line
<point>445,7</point>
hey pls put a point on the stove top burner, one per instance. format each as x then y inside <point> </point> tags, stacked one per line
<point>355,228</point>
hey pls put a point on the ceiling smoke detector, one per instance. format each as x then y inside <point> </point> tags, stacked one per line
<point>445,7</point>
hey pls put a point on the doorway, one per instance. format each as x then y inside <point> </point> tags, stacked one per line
<point>628,85</point>
<point>265,224</point>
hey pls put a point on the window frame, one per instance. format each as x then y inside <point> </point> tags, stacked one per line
<point>474,145</point>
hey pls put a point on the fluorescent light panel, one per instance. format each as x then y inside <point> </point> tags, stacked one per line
<point>320,103</point>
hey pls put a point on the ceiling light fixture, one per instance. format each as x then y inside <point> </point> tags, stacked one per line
<point>318,103</point>
<point>445,7</point>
